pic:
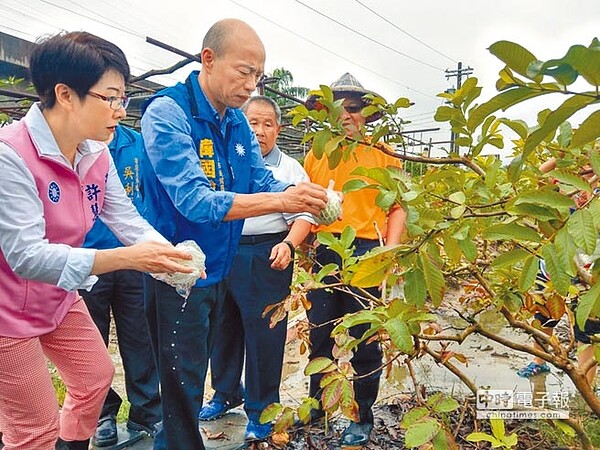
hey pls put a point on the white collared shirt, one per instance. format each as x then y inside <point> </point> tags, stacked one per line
<point>22,224</point>
<point>286,169</point>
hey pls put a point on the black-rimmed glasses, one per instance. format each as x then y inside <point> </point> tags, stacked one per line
<point>115,103</point>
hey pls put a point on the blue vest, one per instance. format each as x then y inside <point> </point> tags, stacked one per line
<point>228,154</point>
<point>127,151</point>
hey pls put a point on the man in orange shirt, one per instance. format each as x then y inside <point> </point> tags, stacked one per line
<point>361,213</point>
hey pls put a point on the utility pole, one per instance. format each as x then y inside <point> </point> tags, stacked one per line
<point>459,73</point>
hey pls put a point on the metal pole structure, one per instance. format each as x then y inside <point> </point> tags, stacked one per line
<point>458,74</point>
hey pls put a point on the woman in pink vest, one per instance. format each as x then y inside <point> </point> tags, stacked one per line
<point>56,179</point>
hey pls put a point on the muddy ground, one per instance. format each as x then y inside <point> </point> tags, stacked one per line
<point>489,365</point>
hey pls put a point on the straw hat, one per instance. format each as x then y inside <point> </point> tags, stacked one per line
<point>344,87</point>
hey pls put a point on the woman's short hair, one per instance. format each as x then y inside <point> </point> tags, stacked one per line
<point>77,59</point>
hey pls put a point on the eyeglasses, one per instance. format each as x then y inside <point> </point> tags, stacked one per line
<point>353,109</point>
<point>115,103</point>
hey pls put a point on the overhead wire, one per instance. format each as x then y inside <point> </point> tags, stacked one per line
<point>391,80</point>
<point>119,27</point>
<point>24,14</point>
<point>149,20</point>
<point>110,23</point>
<point>385,19</point>
<point>424,120</point>
<point>6,27</point>
<point>95,17</point>
<point>369,38</point>
<point>138,19</point>
<point>420,123</point>
<point>428,113</point>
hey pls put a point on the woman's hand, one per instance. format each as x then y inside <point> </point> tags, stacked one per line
<point>150,256</point>
<point>156,257</point>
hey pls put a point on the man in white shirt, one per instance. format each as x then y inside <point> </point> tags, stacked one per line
<point>261,275</point>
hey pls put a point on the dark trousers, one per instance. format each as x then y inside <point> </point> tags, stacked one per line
<point>182,333</point>
<point>330,304</point>
<point>122,293</point>
<point>251,286</point>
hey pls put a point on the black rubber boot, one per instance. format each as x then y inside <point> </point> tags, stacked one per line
<point>358,433</point>
<point>72,445</point>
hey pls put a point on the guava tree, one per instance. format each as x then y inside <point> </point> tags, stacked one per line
<point>474,221</point>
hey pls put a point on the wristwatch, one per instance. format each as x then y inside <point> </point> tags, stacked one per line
<point>291,246</point>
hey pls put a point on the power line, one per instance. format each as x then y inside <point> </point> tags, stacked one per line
<point>391,80</point>
<point>96,15</point>
<point>368,37</point>
<point>33,39</point>
<point>120,27</point>
<point>404,31</point>
<point>5,27</point>
<point>429,113</point>
<point>95,18</point>
<point>420,119</point>
<point>110,23</point>
<point>22,13</point>
<point>420,123</point>
<point>148,20</point>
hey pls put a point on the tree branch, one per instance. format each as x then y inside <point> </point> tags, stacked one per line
<point>429,160</point>
<point>452,368</point>
<point>456,338</point>
<point>574,373</point>
<point>532,331</point>
<point>588,365</point>
<point>167,71</point>
<point>411,372</point>
<point>586,443</point>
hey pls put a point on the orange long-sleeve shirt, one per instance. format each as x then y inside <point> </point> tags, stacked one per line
<point>358,209</point>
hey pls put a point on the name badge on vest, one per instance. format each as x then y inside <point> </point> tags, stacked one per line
<point>210,165</point>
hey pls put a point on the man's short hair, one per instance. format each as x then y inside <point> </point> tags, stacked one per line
<point>267,100</point>
<point>77,59</point>
<point>216,37</point>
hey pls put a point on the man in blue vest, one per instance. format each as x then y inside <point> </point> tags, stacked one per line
<point>260,276</point>
<point>122,293</point>
<point>205,174</point>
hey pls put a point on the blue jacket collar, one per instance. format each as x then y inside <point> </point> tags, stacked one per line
<point>123,136</point>
<point>200,104</point>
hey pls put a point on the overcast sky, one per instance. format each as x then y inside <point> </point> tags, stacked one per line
<point>398,48</point>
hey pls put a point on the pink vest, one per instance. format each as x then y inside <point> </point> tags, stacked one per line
<point>71,203</point>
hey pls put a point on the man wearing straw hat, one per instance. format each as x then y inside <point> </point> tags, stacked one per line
<point>361,213</point>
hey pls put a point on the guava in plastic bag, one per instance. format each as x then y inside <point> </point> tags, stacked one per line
<point>333,210</point>
<point>183,282</point>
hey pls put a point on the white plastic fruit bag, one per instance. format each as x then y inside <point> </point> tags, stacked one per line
<point>183,282</point>
<point>333,209</point>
